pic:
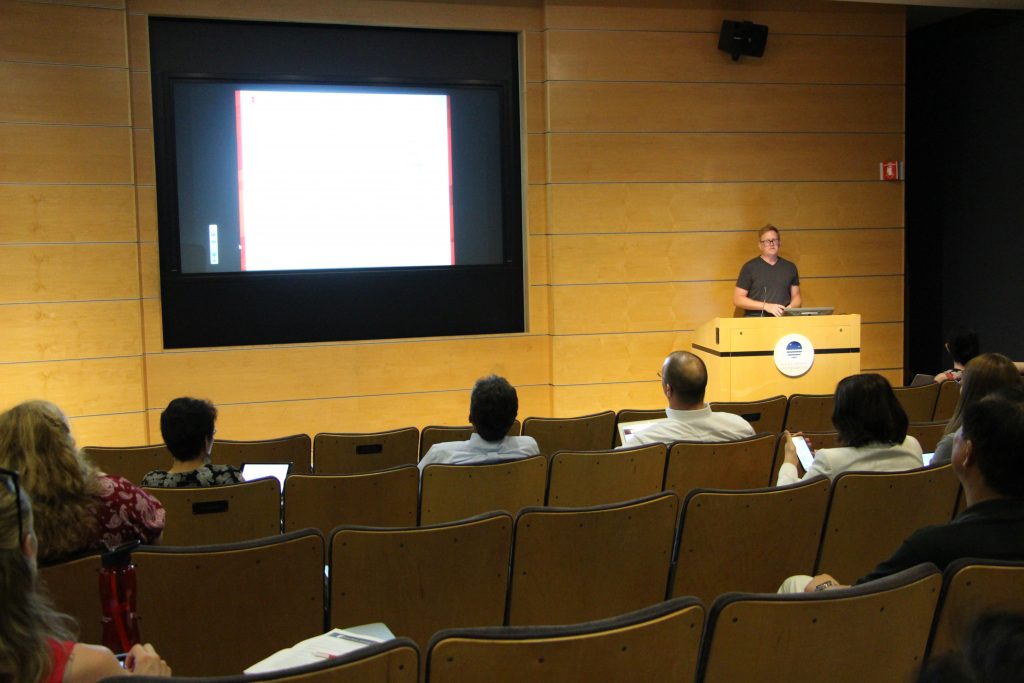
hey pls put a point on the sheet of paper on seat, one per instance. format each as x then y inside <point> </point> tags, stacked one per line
<point>334,643</point>
<point>627,429</point>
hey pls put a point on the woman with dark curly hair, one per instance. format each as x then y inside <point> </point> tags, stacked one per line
<point>872,427</point>
<point>77,507</point>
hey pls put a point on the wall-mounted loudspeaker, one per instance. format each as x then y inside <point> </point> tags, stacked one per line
<point>743,38</point>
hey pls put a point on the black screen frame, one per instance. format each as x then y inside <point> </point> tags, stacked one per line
<point>270,307</point>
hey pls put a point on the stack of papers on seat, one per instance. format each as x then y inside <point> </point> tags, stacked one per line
<point>334,643</point>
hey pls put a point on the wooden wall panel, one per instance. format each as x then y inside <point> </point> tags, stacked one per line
<point>651,207</point>
<point>124,429</point>
<point>149,265</point>
<point>145,167</point>
<point>64,154</point>
<point>534,58</point>
<point>655,257</point>
<point>68,272</point>
<point>539,309</point>
<point>145,200</point>
<point>584,399</point>
<point>80,387</point>
<point>536,209</point>
<point>725,107</point>
<point>536,164</point>
<point>62,34</point>
<point>352,414</point>
<point>138,42</point>
<point>603,358</point>
<point>538,259</point>
<point>142,99</point>
<point>66,213</point>
<point>336,370</point>
<point>881,346</point>
<point>781,16</point>
<point>694,57</point>
<point>728,157</point>
<point>46,93</point>
<point>535,109</point>
<point>92,329</point>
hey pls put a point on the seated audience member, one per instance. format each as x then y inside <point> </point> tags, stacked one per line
<point>493,406</point>
<point>986,459</point>
<point>187,425</point>
<point>77,507</point>
<point>962,345</point>
<point>684,379</point>
<point>36,645</point>
<point>985,374</point>
<point>991,652</point>
<point>872,427</point>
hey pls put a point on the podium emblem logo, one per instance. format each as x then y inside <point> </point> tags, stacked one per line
<point>794,355</point>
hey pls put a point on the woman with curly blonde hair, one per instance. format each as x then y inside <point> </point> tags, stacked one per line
<point>77,507</point>
<point>36,644</point>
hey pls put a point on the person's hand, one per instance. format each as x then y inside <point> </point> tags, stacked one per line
<point>822,582</point>
<point>789,450</point>
<point>144,661</point>
<point>775,309</point>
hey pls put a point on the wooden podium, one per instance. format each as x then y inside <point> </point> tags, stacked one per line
<point>740,355</point>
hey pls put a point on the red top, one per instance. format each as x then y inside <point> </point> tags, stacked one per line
<point>60,653</point>
<point>126,512</point>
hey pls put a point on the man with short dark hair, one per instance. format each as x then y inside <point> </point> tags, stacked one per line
<point>987,460</point>
<point>767,284</point>
<point>493,406</point>
<point>684,378</point>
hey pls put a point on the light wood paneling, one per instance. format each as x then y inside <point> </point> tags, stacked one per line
<point>593,358</point>
<point>725,107</point>
<point>781,16</point>
<point>356,414</point>
<point>536,209</point>
<point>63,34</point>
<point>535,114</point>
<point>895,376</point>
<point>58,154</point>
<point>650,207</point>
<point>536,158</point>
<point>695,57</point>
<point>138,42</point>
<point>66,213</point>
<point>534,62</point>
<point>539,309</point>
<point>34,332</point>
<point>583,399</point>
<point>590,157</point>
<point>125,429</point>
<point>881,346</point>
<point>63,272</point>
<point>145,167</point>
<point>329,371</point>
<point>538,259</point>
<point>602,309</point>
<point>506,14</point>
<point>142,100</point>
<point>145,199</point>
<point>149,262</point>
<point>79,387</point>
<point>655,257</point>
<point>152,326</point>
<point>44,93</point>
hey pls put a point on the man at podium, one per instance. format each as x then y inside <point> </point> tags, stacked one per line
<point>767,284</point>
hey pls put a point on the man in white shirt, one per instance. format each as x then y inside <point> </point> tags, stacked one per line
<point>684,378</point>
<point>493,406</point>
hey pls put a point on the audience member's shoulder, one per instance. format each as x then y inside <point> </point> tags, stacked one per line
<point>155,479</point>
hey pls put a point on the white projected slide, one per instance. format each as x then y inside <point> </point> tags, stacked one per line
<point>343,180</point>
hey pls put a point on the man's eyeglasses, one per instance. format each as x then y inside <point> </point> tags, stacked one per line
<point>10,480</point>
<point>771,242</point>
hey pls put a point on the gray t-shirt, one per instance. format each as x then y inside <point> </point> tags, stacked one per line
<point>768,283</point>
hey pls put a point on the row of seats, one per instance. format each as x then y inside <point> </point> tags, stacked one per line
<point>545,566</point>
<point>881,631</point>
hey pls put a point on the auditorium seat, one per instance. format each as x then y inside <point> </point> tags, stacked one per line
<point>970,588</point>
<point>418,581</point>
<point>294,449</point>
<point>764,416</point>
<point>435,434</point>
<point>354,453</point>
<point>874,632</point>
<point>324,501</point>
<point>949,394</point>
<point>927,434</point>
<point>579,564</point>
<point>215,610</point>
<point>73,585</point>
<point>918,402</point>
<point>809,412</point>
<point>584,433</point>
<point>130,462</point>
<point>747,540</point>
<point>657,643</point>
<point>634,415</point>
<point>583,478</point>
<point>221,514</point>
<point>871,513</point>
<point>451,492</point>
<point>742,464</point>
